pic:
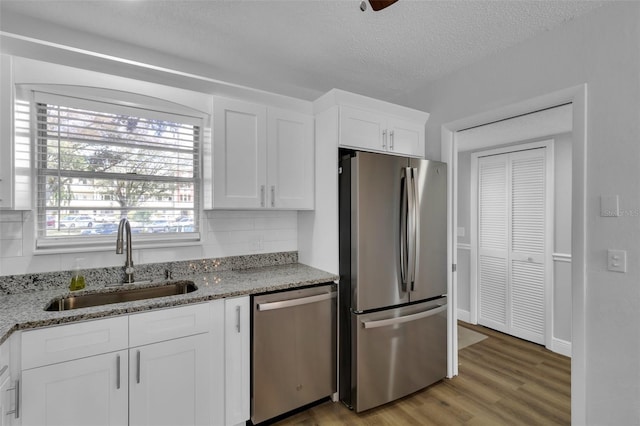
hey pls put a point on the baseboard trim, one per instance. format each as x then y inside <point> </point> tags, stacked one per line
<point>561,347</point>
<point>464,315</point>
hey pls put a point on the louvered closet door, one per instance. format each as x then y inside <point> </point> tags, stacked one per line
<point>512,206</point>
<point>528,208</point>
<point>493,238</point>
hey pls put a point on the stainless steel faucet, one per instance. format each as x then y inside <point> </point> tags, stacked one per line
<point>128,265</point>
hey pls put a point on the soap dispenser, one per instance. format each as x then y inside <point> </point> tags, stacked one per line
<point>77,278</point>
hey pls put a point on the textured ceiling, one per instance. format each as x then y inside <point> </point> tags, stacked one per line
<point>300,48</point>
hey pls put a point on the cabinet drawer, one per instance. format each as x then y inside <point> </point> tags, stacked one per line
<point>166,324</point>
<point>63,343</point>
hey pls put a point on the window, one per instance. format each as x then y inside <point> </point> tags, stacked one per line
<point>98,162</point>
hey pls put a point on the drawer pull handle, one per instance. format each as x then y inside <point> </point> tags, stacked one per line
<point>406,318</point>
<point>238,319</point>
<point>117,371</point>
<point>15,411</point>
<point>138,367</point>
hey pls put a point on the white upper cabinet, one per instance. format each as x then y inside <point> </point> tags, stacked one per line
<point>405,137</point>
<point>15,171</point>
<point>368,124</point>
<point>262,157</point>
<point>239,154</point>
<point>373,131</point>
<point>290,165</point>
<point>362,129</point>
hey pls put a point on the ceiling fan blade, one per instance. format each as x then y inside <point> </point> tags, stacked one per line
<point>381,4</point>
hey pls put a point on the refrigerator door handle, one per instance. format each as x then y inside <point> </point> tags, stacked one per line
<point>406,318</point>
<point>404,230</point>
<point>413,224</point>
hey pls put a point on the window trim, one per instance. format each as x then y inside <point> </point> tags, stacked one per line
<point>128,101</point>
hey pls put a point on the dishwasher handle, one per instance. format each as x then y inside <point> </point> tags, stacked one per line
<point>295,302</point>
<point>406,318</point>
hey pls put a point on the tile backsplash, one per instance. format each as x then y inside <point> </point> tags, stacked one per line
<point>223,233</point>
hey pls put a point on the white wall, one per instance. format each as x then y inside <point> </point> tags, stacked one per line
<point>602,50</point>
<point>224,233</point>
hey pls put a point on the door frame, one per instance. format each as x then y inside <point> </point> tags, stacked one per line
<point>548,145</point>
<point>577,95</point>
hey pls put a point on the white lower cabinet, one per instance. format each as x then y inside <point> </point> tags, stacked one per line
<point>162,378</point>
<point>5,402</point>
<point>86,391</point>
<point>237,360</point>
<point>168,382</point>
<point>7,397</point>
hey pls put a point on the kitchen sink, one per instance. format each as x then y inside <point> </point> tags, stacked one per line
<point>123,295</point>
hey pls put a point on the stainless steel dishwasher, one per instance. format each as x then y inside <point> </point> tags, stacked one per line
<point>293,350</point>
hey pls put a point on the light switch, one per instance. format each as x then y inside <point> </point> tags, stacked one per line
<point>609,206</point>
<point>617,260</point>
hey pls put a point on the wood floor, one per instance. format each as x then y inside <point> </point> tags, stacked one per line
<point>502,381</point>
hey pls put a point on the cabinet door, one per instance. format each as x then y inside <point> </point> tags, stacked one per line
<point>87,391</point>
<point>239,154</point>
<point>6,131</point>
<point>406,137</point>
<point>362,129</point>
<point>169,382</point>
<point>5,384</point>
<point>237,355</point>
<point>4,401</point>
<point>290,164</point>
<point>216,361</point>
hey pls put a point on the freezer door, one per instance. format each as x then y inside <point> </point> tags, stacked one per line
<point>375,231</point>
<point>398,351</point>
<point>431,223</point>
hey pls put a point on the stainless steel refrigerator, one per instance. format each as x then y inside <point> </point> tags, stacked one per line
<point>393,277</point>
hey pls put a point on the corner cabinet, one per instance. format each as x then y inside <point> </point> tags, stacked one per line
<point>263,158</point>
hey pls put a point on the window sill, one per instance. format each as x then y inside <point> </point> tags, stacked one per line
<point>106,244</point>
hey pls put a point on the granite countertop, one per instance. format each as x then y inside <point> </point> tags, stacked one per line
<point>26,310</point>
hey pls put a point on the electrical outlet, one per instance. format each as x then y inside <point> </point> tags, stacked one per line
<point>617,260</point>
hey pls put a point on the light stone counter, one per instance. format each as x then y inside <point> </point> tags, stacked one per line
<point>25,310</point>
